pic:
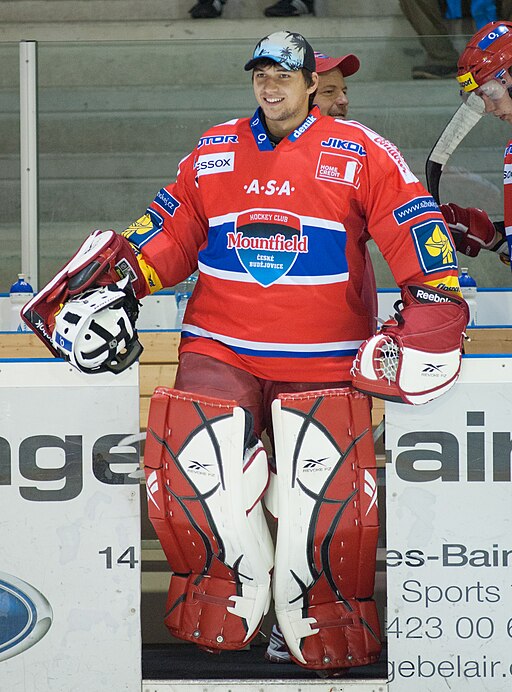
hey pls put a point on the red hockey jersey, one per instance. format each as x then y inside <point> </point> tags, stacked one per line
<point>278,236</point>
<point>507,182</point>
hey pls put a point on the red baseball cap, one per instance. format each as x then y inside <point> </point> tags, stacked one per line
<point>348,64</point>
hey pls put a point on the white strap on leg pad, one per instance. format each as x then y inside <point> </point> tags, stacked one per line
<point>204,492</point>
<point>327,528</point>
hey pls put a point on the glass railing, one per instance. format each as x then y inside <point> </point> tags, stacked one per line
<point>115,118</point>
<point>10,225</point>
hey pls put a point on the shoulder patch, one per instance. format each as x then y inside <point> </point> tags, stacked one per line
<point>434,247</point>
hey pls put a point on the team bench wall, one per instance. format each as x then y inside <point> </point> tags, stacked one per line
<point>158,367</point>
<point>159,360</point>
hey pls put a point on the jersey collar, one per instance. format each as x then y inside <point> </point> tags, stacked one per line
<point>260,133</point>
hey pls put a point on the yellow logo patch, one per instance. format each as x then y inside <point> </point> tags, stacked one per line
<point>439,244</point>
<point>467,81</point>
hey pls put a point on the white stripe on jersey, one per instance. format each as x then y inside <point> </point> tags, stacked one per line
<point>244,277</point>
<point>272,346</point>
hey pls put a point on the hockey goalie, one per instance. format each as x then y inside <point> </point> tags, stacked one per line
<point>273,212</point>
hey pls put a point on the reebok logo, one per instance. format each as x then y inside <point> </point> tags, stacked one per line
<point>314,465</point>
<point>431,297</point>
<point>197,467</point>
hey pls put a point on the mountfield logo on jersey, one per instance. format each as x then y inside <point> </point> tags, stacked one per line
<point>207,164</point>
<point>217,139</point>
<point>344,144</point>
<point>277,243</point>
<point>267,243</point>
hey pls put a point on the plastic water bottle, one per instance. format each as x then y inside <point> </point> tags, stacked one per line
<point>19,294</point>
<point>469,292</point>
<point>182,293</point>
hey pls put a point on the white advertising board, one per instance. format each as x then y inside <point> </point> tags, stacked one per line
<point>70,530</point>
<point>158,311</point>
<point>449,536</point>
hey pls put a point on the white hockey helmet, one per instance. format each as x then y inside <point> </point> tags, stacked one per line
<point>96,331</point>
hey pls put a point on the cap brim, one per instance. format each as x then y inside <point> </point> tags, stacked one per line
<point>347,64</point>
<point>249,65</point>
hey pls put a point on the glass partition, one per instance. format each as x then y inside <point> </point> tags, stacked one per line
<point>10,227</point>
<point>115,118</point>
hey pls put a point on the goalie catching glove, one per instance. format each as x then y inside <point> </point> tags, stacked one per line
<point>473,230</point>
<point>105,318</point>
<point>416,356</point>
<point>96,331</point>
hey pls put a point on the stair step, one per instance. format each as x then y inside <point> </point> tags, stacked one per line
<point>379,96</point>
<point>179,130</point>
<point>225,29</point>
<point>63,11</point>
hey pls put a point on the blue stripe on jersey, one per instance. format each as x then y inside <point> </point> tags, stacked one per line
<point>325,255</point>
<point>276,350</point>
<point>293,354</point>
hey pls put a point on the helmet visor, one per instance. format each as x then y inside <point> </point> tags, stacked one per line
<point>494,89</point>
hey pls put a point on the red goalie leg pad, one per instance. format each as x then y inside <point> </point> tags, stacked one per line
<point>204,499</point>
<point>327,528</point>
<point>197,611</point>
<point>348,635</point>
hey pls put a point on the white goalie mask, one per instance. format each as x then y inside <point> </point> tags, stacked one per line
<point>96,331</point>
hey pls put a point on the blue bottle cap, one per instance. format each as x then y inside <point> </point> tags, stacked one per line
<point>21,286</point>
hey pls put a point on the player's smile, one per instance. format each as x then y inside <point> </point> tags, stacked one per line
<point>282,95</point>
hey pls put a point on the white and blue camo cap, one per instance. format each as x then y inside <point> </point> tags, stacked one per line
<point>286,48</point>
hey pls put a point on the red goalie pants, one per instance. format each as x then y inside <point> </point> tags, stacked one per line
<point>200,374</point>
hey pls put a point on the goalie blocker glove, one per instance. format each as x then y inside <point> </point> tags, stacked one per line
<point>416,356</point>
<point>473,230</point>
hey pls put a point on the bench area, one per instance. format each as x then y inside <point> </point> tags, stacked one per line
<point>160,357</point>
<point>158,366</point>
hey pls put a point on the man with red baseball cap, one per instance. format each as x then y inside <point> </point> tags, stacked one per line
<point>331,96</point>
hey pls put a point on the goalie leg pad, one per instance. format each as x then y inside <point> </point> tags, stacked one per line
<point>327,528</point>
<point>204,495</point>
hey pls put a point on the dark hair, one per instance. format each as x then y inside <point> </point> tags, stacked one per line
<point>307,74</point>
<point>308,78</point>
<point>268,62</point>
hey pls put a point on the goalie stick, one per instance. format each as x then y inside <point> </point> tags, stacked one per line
<point>461,123</point>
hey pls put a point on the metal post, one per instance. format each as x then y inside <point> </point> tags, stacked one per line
<point>28,162</point>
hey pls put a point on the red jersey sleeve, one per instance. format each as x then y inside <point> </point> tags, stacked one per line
<point>171,232</point>
<point>405,221</point>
